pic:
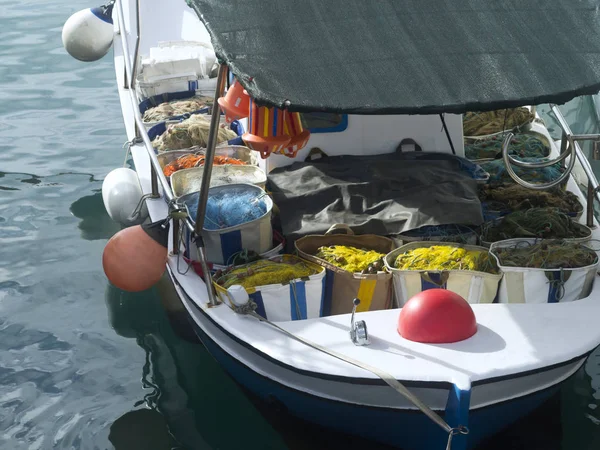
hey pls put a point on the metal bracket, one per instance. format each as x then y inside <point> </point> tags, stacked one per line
<point>358,330</point>
<point>596,150</point>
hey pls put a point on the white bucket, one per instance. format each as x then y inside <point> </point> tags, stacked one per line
<point>532,285</point>
<point>186,181</point>
<point>473,286</point>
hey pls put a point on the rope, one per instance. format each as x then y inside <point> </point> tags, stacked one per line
<point>128,145</point>
<point>547,223</point>
<point>386,377</point>
<point>546,254</point>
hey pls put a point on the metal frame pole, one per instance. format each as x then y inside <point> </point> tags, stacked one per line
<point>593,186</point>
<point>206,175</point>
<point>137,45</point>
<point>210,149</point>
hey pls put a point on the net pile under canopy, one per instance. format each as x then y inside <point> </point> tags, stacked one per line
<point>444,257</point>
<point>547,255</point>
<point>174,108</point>
<point>499,175</point>
<point>352,259</point>
<point>264,272</point>
<point>514,197</point>
<point>547,223</point>
<point>189,133</point>
<point>482,123</point>
<point>522,145</point>
<point>229,207</point>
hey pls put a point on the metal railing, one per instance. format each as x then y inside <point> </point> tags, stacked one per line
<point>569,147</point>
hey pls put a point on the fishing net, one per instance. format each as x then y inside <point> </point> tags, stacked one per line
<point>444,257</point>
<point>264,272</point>
<point>229,207</point>
<point>190,132</point>
<point>546,255</point>
<point>442,233</point>
<point>499,174</point>
<point>483,123</point>
<point>522,145</point>
<point>547,223</point>
<point>196,160</point>
<point>174,108</point>
<point>514,197</point>
<point>352,259</point>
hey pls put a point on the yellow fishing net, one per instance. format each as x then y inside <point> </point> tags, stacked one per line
<point>263,272</point>
<point>352,259</point>
<point>444,257</point>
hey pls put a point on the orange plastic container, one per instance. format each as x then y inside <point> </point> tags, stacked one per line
<point>266,133</point>
<point>299,136</point>
<point>236,103</point>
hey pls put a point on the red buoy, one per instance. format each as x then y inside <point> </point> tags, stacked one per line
<point>135,258</point>
<point>437,316</point>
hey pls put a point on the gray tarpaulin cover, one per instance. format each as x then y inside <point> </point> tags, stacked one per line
<point>384,194</point>
<point>407,56</point>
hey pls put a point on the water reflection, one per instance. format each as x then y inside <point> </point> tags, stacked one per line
<point>181,380</point>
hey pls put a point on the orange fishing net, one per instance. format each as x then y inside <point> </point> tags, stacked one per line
<point>189,161</point>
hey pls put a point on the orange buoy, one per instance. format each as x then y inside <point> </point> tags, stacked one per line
<point>298,135</point>
<point>437,316</point>
<point>236,103</point>
<point>134,259</point>
<point>266,133</point>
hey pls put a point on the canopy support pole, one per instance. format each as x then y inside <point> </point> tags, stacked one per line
<point>206,175</point>
<point>447,133</point>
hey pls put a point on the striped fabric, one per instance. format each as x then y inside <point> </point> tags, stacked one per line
<point>266,126</point>
<point>256,236</point>
<point>298,300</point>
<point>521,285</point>
<point>475,287</point>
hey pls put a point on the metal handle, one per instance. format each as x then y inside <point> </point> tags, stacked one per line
<point>509,160</point>
<point>358,330</point>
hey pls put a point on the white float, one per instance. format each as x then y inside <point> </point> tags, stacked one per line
<point>121,194</point>
<point>88,34</point>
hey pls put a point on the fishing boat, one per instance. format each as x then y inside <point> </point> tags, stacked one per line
<point>369,78</point>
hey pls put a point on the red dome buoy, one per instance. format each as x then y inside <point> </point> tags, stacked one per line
<point>437,316</point>
<point>135,258</point>
<point>236,103</point>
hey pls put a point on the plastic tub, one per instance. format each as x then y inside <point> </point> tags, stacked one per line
<point>473,286</point>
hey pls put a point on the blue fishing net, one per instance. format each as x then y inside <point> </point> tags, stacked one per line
<point>524,146</point>
<point>229,207</point>
<point>498,173</point>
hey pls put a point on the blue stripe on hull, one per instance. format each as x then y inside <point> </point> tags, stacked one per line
<point>410,430</point>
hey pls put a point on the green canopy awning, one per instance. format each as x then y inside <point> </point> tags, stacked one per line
<point>407,56</point>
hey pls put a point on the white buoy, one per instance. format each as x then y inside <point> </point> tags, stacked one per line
<point>121,194</point>
<point>238,295</point>
<point>88,34</point>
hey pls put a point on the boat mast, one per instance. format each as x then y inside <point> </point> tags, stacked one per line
<point>208,165</point>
